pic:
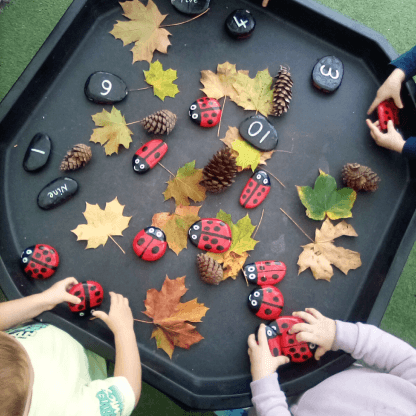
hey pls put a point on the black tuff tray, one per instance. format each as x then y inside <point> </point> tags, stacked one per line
<point>326,131</point>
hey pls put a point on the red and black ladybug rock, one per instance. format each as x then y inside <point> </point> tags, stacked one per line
<point>273,339</point>
<point>148,155</point>
<point>39,261</point>
<point>265,273</point>
<point>91,294</point>
<point>150,244</point>
<point>205,112</point>
<point>298,352</point>
<point>256,190</point>
<point>266,302</point>
<point>387,110</point>
<point>211,234</point>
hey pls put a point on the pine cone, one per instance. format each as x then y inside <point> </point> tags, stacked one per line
<point>282,92</point>
<point>210,270</point>
<point>77,157</point>
<point>359,177</point>
<point>220,172</point>
<point>160,122</point>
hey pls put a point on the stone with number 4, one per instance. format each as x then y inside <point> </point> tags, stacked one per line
<point>240,24</point>
<point>259,132</point>
<point>105,88</point>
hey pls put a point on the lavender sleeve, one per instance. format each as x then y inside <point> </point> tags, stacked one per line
<point>377,348</point>
<point>267,397</point>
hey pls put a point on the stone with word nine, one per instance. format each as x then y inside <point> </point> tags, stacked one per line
<point>57,192</point>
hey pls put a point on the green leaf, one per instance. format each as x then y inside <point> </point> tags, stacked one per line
<point>223,216</point>
<point>248,156</point>
<point>324,199</point>
<point>187,169</point>
<point>161,80</point>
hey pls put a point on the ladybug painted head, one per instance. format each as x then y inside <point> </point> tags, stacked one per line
<point>140,165</point>
<point>261,177</point>
<point>155,233</point>
<point>250,272</point>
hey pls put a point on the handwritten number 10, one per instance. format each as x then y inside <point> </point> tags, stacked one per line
<point>106,84</point>
<point>258,131</point>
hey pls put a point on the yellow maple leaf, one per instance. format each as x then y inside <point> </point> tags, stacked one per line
<point>143,29</point>
<point>220,84</point>
<point>102,224</point>
<point>176,225</point>
<point>113,132</point>
<point>319,255</point>
<point>186,185</point>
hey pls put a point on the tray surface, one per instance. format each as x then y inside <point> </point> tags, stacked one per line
<point>321,132</point>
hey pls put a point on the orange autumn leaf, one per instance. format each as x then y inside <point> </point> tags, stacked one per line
<point>172,317</point>
<point>176,225</point>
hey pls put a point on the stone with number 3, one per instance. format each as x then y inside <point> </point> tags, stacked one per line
<point>327,74</point>
<point>259,132</point>
<point>105,88</point>
<point>240,24</point>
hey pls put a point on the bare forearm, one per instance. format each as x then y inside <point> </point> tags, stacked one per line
<point>128,361</point>
<point>15,312</point>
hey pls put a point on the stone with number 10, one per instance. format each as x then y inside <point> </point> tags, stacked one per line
<point>105,88</point>
<point>259,132</point>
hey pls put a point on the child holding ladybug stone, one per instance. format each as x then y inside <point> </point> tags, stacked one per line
<point>46,372</point>
<point>405,69</point>
<point>384,385</point>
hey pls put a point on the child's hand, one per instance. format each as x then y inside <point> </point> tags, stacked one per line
<point>390,89</point>
<point>119,318</point>
<point>262,362</point>
<point>317,329</point>
<point>391,140</point>
<point>59,293</point>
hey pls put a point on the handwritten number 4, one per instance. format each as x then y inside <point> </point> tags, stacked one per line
<point>241,22</point>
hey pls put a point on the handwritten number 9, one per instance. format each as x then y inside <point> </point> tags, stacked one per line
<point>106,84</point>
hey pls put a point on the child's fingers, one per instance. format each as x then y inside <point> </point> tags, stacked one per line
<point>251,341</point>
<point>307,317</point>
<point>300,328</point>
<point>314,312</point>
<point>390,126</point>
<point>320,351</point>
<point>261,335</point>
<point>308,337</point>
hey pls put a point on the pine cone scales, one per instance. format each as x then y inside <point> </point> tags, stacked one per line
<point>76,158</point>
<point>160,122</point>
<point>220,172</point>
<point>359,177</point>
<point>210,270</point>
<point>282,92</point>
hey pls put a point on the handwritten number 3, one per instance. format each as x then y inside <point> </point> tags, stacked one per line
<point>329,72</point>
<point>106,84</point>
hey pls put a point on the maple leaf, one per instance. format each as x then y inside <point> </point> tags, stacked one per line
<point>231,262</point>
<point>143,29</point>
<point>255,93</point>
<point>102,223</point>
<point>220,84</point>
<point>161,80</point>
<point>170,316</point>
<point>113,132</point>
<point>324,199</point>
<point>232,139</point>
<point>320,254</point>
<point>186,185</point>
<point>176,225</point>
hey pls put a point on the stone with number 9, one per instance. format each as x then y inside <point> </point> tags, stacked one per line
<point>105,88</point>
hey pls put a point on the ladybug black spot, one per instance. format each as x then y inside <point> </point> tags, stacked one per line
<point>38,255</point>
<point>77,293</point>
<point>261,268</point>
<point>275,276</point>
<point>214,241</point>
<point>285,325</point>
<point>268,311</point>
<point>268,263</point>
<point>99,300</point>
<point>269,290</point>
<point>275,352</point>
<point>220,248</point>
<point>207,247</point>
<point>43,269</point>
<point>41,276</point>
<point>248,191</point>
<point>263,279</point>
<point>206,228</point>
<point>214,114</point>
<point>97,293</point>
<point>144,148</point>
<point>32,264</point>
<point>210,222</point>
<point>155,250</point>
<point>305,357</point>
<point>140,242</point>
<point>296,355</point>
<point>29,273</point>
<point>303,349</point>
<point>48,259</point>
<point>157,155</point>
<point>250,184</point>
<point>292,350</point>
<point>82,298</point>
<point>258,193</point>
<point>93,287</point>
<point>36,271</point>
<point>80,307</point>
<point>244,196</point>
<point>207,115</point>
<point>217,228</point>
<point>275,298</point>
<point>205,238</point>
<point>46,252</point>
<point>291,341</point>
<point>255,201</point>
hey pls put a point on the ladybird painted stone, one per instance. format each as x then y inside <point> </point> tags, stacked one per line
<point>256,190</point>
<point>240,24</point>
<point>205,112</point>
<point>327,74</point>
<point>257,131</point>
<point>387,110</point>
<point>298,352</point>
<point>266,302</point>
<point>91,294</point>
<point>150,244</point>
<point>264,273</point>
<point>211,234</point>
<point>105,88</point>
<point>37,153</point>
<point>39,261</point>
<point>273,340</point>
<point>148,155</point>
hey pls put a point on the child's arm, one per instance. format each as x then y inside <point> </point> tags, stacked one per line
<point>18,311</point>
<point>267,397</point>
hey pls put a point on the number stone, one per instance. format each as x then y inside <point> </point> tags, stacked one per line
<point>105,88</point>
<point>327,74</point>
<point>257,131</point>
<point>240,24</point>
<point>191,6</point>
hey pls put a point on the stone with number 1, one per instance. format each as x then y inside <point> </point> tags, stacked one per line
<point>240,24</point>
<point>105,88</point>
<point>257,131</point>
